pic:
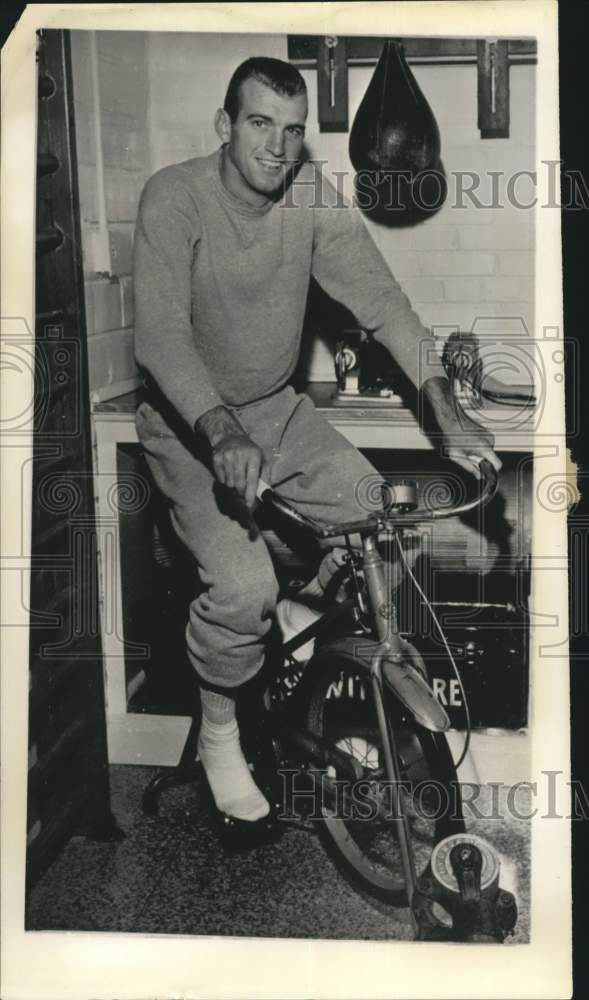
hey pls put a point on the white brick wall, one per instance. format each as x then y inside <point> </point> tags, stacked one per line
<point>423,289</point>
<point>507,289</point>
<point>462,289</point>
<point>502,233</point>
<point>436,263</point>
<point>516,262</point>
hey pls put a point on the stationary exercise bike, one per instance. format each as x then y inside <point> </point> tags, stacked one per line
<point>352,743</point>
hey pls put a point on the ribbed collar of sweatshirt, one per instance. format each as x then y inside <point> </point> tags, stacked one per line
<point>232,201</point>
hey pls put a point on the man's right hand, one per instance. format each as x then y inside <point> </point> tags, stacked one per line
<point>237,460</point>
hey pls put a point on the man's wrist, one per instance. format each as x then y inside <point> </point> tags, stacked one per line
<point>216,424</point>
<point>437,401</point>
<point>436,387</point>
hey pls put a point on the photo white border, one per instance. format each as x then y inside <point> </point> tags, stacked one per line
<point>101,965</point>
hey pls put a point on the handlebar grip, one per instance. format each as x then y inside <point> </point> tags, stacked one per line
<point>489,473</point>
<point>265,492</point>
<point>489,478</point>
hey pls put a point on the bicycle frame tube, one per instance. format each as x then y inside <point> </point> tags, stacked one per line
<point>383,607</point>
<point>385,615</point>
<point>393,772</point>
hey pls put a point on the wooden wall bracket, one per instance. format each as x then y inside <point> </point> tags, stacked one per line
<point>332,84</point>
<point>493,89</point>
<point>332,55</point>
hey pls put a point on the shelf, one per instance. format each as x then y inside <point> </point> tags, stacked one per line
<point>331,56</point>
<point>366,423</point>
<point>365,50</point>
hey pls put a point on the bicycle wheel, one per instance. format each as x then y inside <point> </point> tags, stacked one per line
<point>359,830</point>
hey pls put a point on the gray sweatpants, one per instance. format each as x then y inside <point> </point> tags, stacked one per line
<point>308,463</point>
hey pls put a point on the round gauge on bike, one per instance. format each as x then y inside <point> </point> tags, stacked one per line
<point>400,495</point>
<point>443,871</point>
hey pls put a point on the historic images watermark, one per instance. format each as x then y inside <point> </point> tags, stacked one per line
<point>318,793</point>
<point>397,190</point>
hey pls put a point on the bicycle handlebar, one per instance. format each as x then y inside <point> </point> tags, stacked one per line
<point>381,521</point>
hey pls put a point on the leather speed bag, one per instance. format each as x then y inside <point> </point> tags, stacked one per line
<point>395,132</point>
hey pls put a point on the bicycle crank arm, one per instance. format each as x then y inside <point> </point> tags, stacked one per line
<point>321,753</point>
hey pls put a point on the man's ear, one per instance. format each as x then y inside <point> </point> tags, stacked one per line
<point>222,125</point>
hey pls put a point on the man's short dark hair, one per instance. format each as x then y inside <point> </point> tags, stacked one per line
<point>280,76</point>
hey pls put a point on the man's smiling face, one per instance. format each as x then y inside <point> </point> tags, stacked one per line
<point>264,143</point>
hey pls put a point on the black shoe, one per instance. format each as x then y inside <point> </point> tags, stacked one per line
<point>241,834</point>
<point>244,835</point>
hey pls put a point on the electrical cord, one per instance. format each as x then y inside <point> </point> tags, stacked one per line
<point>428,604</point>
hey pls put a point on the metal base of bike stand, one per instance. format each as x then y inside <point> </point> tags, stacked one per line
<point>463,883</point>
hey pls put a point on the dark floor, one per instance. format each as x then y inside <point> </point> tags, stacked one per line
<point>169,876</point>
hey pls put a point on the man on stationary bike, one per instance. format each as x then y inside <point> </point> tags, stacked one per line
<point>225,247</point>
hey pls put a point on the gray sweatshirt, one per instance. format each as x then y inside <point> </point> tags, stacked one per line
<point>221,287</point>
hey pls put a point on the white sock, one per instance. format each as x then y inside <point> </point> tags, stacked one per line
<point>234,790</point>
